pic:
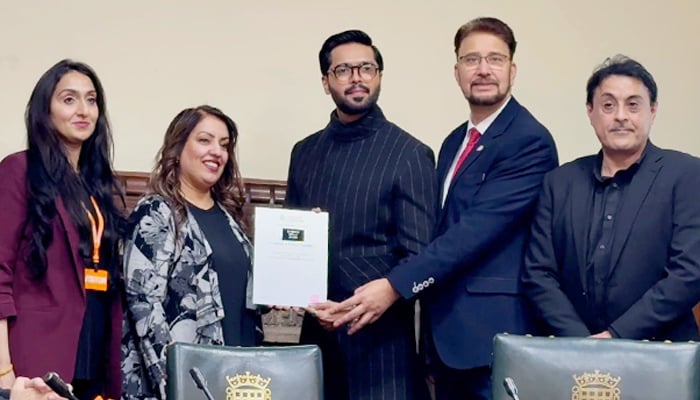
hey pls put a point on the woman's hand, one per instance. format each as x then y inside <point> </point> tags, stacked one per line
<point>32,389</point>
<point>322,313</point>
<point>7,380</point>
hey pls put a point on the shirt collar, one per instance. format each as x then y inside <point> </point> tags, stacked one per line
<point>484,125</point>
<point>622,174</point>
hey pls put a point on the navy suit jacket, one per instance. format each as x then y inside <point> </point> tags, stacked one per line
<point>654,277</point>
<point>468,276</point>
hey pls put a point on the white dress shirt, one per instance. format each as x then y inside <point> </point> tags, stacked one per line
<point>482,127</point>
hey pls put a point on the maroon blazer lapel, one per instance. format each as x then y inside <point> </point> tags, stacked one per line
<point>73,239</point>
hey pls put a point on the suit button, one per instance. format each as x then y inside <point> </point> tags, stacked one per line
<point>584,294</point>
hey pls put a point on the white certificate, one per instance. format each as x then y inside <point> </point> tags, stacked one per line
<point>290,263</point>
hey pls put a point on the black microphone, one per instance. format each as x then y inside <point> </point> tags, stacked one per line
<point>511,389</point>
<point>201,383</point>
<point>54,381</point>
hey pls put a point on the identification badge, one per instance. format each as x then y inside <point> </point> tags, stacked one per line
<point>96,279</point>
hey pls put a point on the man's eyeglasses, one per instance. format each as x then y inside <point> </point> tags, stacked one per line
<point>494,60</point>
<point>343,72</point>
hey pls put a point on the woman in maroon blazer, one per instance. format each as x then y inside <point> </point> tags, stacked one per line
<point>60,307</point>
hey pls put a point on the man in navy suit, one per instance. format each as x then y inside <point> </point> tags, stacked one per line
<point>491,170</point>
<point>615,249</point>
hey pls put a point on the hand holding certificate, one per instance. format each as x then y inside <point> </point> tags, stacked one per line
<point>290,265</point>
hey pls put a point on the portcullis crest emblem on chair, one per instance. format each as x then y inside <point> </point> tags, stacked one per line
<point>595,386</point>
<point>248,387</point>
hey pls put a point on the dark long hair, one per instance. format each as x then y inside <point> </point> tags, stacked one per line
<point>165,179</point>
<point>51,178</point>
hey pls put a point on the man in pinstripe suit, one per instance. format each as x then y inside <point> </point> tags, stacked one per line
<point>491,169</point>
<point>379,186</point>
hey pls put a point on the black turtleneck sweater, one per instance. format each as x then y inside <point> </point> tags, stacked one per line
<point>378,184</point>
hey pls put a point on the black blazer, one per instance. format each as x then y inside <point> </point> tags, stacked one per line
<point>654,277</point>
<point>468,276</point>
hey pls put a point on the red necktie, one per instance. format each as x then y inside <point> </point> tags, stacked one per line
<point>474,136</point>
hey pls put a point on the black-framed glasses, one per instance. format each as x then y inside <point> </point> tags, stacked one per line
<point>343,72</point>
<point>494,60</point>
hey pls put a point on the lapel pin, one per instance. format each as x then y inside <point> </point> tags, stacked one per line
<point>481,147</point>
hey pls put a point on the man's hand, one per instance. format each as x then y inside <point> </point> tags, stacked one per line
<point>32,389</point>
<point>324,315</point>
<point>370,301</point>
<point>601,335</point>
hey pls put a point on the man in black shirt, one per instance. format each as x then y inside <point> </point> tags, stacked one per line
<point>615,247</point>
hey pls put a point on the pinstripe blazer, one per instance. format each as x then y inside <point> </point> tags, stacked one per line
<point>379,186</point>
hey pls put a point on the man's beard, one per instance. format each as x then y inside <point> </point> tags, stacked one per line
<point>350,107</point>
<point>491,100</point>
<point>487,101</point>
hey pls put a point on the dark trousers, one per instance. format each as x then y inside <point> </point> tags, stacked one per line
<point>462,384</point>
<point>86,389</point>
<point>377,363</point>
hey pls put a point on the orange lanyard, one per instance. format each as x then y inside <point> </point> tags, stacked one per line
<point>97,229</point>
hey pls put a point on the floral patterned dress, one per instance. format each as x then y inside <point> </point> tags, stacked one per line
<point>172,294</point>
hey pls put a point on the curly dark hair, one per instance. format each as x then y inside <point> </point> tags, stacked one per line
<point>165,179</point>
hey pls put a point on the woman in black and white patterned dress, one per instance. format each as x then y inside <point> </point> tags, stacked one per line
<point>188,261</point>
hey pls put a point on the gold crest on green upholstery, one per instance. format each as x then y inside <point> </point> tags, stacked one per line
<point>245,373</point>
<point>595,369</point>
